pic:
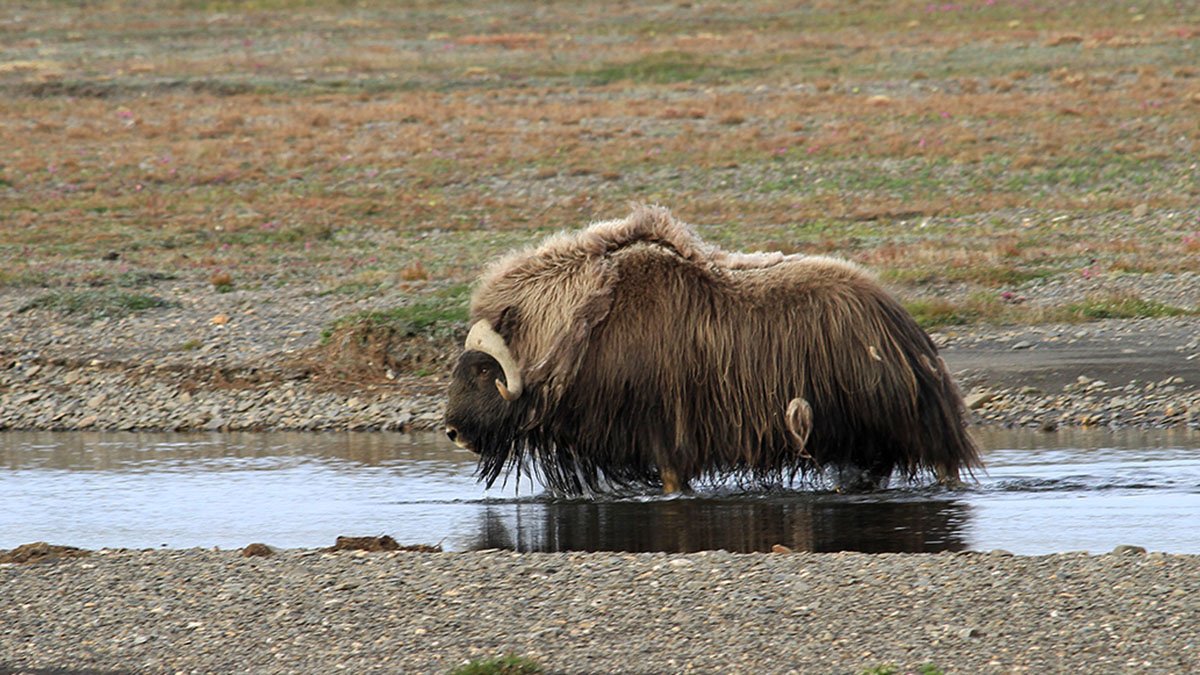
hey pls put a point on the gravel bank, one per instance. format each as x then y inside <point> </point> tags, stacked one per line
<point>227,361</point>
<point>1118,374</point>
<point>312,611</point>
<point>235,361</point>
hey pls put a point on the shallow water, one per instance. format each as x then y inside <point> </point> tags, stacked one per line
<point>1042,493</point>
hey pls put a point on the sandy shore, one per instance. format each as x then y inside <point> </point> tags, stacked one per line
<point>313,611</point>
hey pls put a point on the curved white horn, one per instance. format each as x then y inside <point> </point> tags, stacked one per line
<point>484,338</point>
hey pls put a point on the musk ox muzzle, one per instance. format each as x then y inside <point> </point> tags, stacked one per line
<point>632,353</point>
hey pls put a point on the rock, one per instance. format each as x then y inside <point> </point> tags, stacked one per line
<point>41,551</point>
<point>977,399</point>
<point>257,550</point>
<point>380,543</point>
<point>1023,344</point>
<point>780,548</point>
<point>1128,549</point>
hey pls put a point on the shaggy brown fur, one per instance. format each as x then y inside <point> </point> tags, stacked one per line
<point>650,356</point>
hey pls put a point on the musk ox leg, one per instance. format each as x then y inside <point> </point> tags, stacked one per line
<point>949,479</point>
<point>671,481</point>
<point>852,479</point>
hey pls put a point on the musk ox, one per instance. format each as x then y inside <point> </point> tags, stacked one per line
<point>632,353</point>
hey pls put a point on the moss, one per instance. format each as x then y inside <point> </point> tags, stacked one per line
<point>661,68</point>
<point>105,303</point>
<point>1121,306</point>
<point>509,664</point>
<point>444,310</point>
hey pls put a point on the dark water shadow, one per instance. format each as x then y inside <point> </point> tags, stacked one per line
<point>742,525</point>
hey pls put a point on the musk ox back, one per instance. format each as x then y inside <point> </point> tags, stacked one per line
<point>633,353</point>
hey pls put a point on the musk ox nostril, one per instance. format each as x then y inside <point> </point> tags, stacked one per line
<point>452,433</point>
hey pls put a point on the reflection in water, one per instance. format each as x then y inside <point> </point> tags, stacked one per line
<point>742,525</point>
<point>120,451</point>
<point>1041,493</point>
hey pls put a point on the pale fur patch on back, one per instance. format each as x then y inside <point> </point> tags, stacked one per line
<point>646,224</point>
<point>553,280</point>
<point>837,264</point>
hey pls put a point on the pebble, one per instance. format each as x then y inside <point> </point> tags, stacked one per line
<point>978,399</point>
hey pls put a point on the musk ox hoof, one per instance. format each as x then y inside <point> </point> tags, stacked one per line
<point>852,479</point>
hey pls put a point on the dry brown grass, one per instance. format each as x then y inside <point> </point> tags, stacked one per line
<point>294,135</point>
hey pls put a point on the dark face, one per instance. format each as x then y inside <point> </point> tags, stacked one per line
<point>476,415</point>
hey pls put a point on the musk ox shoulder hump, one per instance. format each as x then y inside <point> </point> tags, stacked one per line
<point>571,249</point>
<point>652,225</point>
<point>566,268</point>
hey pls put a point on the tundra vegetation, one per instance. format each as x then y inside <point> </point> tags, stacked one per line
<point>960,149</point>
<point>509,664</point>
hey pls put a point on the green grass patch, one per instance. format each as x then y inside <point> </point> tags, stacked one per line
<point>995,276</point>
<point>984,307</point>
<point>446,309</point>
<point>354,288</point>
<point>273,234</point>
<point>661,68</point>
<point>933,313</point>
<point>24,277</point>
<point>1121,306</point>
<point>136,278</point>
<point>105,303</point>
<point>926,669</point>
<point>509,664</point>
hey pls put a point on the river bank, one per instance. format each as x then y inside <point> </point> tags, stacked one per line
<point>318,611</point>
<point>257,360</point>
